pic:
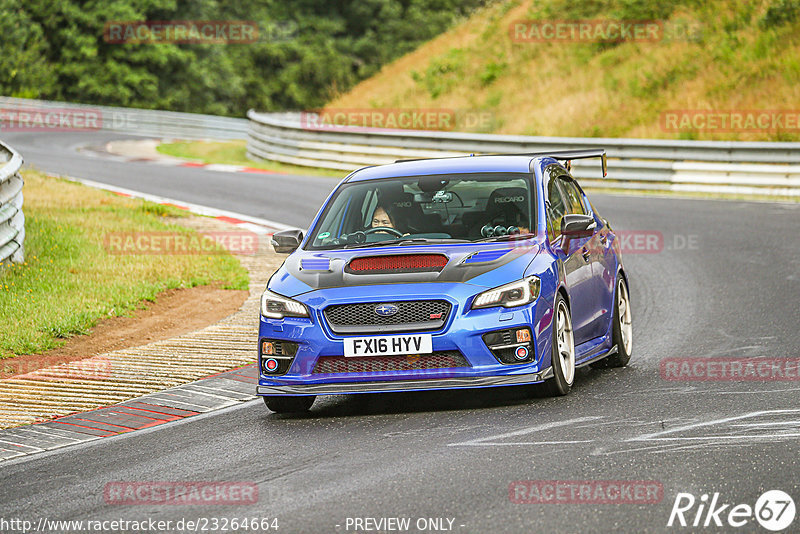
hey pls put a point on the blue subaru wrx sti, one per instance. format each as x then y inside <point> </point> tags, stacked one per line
<point>447,273</point>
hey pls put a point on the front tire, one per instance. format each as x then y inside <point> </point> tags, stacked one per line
<point>289,404</point>
<point>563,351</point>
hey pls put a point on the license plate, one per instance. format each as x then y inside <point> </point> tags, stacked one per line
<point>388,345</point>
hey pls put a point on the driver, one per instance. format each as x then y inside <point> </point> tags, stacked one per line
<point>382,218</point>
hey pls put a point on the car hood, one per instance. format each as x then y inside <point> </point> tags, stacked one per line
<point>486,265</point>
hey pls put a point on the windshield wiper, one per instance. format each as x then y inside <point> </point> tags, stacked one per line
<point>404,242</point>
<point>508,237</point>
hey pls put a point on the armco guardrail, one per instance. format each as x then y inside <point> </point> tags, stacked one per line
<point>152,123</point>
<point>652,164</point>
<point>12,220</point>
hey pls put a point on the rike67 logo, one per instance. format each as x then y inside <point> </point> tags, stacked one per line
<point>774,510</point>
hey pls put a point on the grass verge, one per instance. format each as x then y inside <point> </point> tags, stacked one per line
<point>235,153</point>
<point>69,281</point>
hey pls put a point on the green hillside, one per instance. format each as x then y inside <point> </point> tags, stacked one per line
<point>714,61</point>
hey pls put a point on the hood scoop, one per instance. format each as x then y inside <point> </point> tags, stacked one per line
<point>397,263</point>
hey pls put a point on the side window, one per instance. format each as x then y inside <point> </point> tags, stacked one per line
<point>572,196</point>
<point>558,208</point>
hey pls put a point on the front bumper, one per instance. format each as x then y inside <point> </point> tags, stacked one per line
<point>406,385</point>
<point>462,332</point>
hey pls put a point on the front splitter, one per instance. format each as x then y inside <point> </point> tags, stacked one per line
<point>405,385</point>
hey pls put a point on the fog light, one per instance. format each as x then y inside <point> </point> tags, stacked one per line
<point>267,348</point>
<point>521,353</point>
<point>271,365</point>
<point>523,335</point>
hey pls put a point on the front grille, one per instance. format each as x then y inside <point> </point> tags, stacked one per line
<point>412,315</point>
<point>377,364</point>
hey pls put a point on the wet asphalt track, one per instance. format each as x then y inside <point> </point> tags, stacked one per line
<point>726,284</point>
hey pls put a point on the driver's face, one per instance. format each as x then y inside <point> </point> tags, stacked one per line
<point>381,218</point>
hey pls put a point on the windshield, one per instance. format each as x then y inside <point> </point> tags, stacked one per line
<point>435,208</point>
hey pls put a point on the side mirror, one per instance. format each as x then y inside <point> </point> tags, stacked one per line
<point>577,225</point>
<point>287,241</point>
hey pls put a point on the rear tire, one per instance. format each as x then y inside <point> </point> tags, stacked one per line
<point>289,404</point>
<point>562,354</point>
<point>622,329</point>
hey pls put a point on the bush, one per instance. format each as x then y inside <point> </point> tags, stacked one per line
<point>779,13</point>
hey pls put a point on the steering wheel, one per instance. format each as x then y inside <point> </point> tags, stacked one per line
<point>387,229</point>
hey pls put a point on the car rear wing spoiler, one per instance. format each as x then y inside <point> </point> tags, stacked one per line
<point>567,155</point>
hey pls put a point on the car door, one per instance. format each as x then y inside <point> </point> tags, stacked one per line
<point>594,251</point>
<point>574,256</point>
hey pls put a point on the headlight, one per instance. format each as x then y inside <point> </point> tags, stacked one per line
<point>275,306</point>
<point>514,294</point>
